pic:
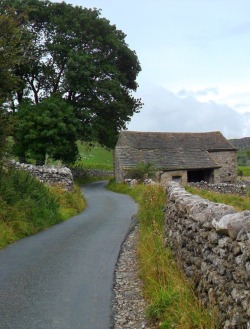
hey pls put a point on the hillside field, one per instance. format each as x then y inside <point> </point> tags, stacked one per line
<point>245,170</point>
<point>95,156</point>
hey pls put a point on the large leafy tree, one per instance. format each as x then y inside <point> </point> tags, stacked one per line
<point>47,128</point>
<point>10,56</point>
<point>77,53</point>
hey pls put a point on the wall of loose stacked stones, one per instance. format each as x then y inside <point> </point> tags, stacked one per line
<point>48,175</point>
<point>240,189</point>
<point>82,173</point>
<point>212,243</point>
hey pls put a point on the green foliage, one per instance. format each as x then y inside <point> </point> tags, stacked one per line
<point>10,55</point>
<point>71,203</point>
<point>27,206</point>
<point>173,303</point>
<point>239,202</point>
<point>142,171</point>
<point>243,157</point>
<point>75,52</point>
<point>48,128</point>
<point>5,130</point>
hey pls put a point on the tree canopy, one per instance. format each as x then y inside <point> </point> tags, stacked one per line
<point>49,127</point>
<point>75,53</point>
<point>10,57</point>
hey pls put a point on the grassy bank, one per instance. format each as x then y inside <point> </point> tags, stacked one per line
<point>28,206</point>
<point>239,202</point>
<point>172,300</point>
<point>70,203</point>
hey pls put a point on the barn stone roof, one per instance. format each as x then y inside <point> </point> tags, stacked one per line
<point>170,151</point>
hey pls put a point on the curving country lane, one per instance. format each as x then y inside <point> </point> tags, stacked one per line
<point>62,278</point>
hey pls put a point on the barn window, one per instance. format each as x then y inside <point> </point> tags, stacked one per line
<point>176,179</point>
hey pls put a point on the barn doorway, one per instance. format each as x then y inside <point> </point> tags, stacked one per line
<point>195,176</point>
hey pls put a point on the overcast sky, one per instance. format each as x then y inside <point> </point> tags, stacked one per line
<point>195,58</point>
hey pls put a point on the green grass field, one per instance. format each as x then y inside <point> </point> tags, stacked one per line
<point>245,170</point>
<point>95,156</point>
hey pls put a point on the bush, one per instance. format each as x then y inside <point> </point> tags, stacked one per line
<point>26,206</point>
<point>141,171</point>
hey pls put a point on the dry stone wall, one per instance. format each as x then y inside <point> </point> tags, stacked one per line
<point>49,175</point>
<point>237,189</point>
<point>81,173</point>
<point>212,243</point>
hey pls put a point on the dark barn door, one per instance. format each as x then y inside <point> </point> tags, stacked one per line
<point>200,175</point>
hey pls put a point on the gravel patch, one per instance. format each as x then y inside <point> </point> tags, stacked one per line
<point>128,304</point>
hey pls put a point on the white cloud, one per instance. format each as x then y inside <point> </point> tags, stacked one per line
<point>167,111</point>
<point>206,92</point>
<point>236,96</point>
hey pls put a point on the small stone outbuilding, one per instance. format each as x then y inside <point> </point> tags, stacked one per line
<point>182,157</point>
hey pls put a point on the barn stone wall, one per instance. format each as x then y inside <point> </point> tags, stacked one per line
<point>227,173</point>
<point>212,243</point>
<point>119,171</point>
<point>228,162</point>
<point>179,176</point>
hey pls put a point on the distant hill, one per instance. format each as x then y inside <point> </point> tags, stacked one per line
<point>243,150</point>
<point>241,143</point>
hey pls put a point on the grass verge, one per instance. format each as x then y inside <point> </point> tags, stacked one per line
<point>28,206</point>
<point>71,203</point>
<point>173,303</point>
<point>239,202</point>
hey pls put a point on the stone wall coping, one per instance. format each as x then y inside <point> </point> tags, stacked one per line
<point>225,219</point>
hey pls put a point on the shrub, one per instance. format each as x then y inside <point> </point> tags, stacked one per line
<point>141,171</point>
<point>26,206</point>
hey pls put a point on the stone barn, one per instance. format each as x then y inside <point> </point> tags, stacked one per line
<point>182,157</point>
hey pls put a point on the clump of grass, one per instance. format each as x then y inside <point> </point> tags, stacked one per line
<point>28,206</point>
<point>172,301</point>
<point>239,202</point>
<point>71,203</point>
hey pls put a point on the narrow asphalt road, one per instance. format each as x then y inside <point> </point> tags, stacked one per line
<point>62,278</point>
